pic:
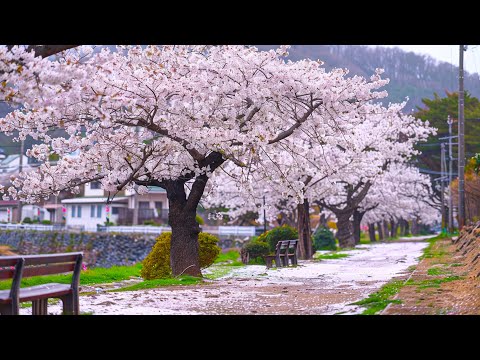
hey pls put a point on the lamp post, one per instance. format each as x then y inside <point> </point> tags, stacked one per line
<point>264,216</point>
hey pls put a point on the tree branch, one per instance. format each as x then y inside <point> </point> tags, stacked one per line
<point>298,123</point>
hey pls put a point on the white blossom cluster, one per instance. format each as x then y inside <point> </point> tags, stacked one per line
<point>155,113</point>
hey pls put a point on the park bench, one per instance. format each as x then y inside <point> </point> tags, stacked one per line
<point>23,266</point>
<point>283,254</point>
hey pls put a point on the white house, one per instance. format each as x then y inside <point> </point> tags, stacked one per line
<point>90,210</point>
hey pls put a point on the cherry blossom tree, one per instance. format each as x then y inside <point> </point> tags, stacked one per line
<point>402,193</point>
<point>167,116</point>
<point>387,136</point>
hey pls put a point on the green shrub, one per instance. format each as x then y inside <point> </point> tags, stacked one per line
<point>157,264</point>
<point>256,249</point>
<point>274,235</point>
<point>323,239</point>
<point>208,249</point>
<point>27,220</point>
<point>46,222</point>
<point>149,222</point>
<point>199,220</point>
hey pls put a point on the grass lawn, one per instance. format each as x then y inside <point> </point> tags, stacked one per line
<point>87,277</point>
<point>330,256</point>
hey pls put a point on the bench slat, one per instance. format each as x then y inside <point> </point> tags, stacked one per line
<point>47,270</point>
<point>45,290</point>
<point>50,258</point>
<point>8,260</point>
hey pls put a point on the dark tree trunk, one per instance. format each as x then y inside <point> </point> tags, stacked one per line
<point>415,227</point>
<point>393,228</point>
<point>345,232</point>
<point>380,231</point>
<point>371,232</point>
<point>385,228</point>
<point>345,229</point>
<point>184,258</point>
<point>305,248</point>
<point>407,228</point>
<point>401,224</point>
<point>357,219</point>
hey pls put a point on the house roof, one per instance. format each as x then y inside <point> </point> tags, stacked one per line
<point>52,206</point>
<point>93,200</point>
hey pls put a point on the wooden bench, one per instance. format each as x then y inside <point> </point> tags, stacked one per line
<point>283,254</point>
<point>23,266</point>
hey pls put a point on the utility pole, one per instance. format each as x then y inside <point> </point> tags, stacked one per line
<point>450,167</point>
<point>264,216</point>
<point>20,169</point>
<point>442,194</point>
<point>461,143</point>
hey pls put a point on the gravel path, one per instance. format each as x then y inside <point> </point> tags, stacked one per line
<point>314,287</point>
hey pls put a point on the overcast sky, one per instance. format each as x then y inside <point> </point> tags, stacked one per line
<point>448,53</point>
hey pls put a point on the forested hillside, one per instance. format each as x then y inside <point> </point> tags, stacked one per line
<point>412,75</point>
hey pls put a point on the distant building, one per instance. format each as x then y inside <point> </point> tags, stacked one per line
<point>9,211</point>
<point>90,210</point>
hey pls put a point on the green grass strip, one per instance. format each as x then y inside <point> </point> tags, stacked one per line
<point>151,284</point>
<point>379,300</point>
<point>87,277</point>
<point>330,256</point>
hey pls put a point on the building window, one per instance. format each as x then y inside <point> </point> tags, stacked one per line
<point>95,185</point>
<point>144,205</point>
<point>114,210</point>
<point>99,211</point>
<point>158,205</point>
<point>92,210</point>
<point>79,211</point>
<point>73,211</point>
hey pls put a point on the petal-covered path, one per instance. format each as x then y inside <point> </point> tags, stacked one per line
<point>314,287</point>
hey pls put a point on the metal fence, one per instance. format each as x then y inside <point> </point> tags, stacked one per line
<point>216,230</point>
<point>31,227</point>
<point>135,229</point>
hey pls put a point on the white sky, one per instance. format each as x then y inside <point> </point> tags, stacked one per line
<point>447,53</point>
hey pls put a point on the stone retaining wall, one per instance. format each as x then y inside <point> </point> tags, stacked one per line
<point>100,249</point>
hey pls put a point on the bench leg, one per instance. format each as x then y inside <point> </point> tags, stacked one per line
<point>70,305</point>
<point>278,262</point>
<point>39,307</point>
<point>294,259</point>
<point>268,262</point>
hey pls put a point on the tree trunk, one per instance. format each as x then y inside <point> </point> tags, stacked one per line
<point>393,229</point>
<point>305,248</point>
<point>380,231</point>
<point>184,258</point>
<point>401,224</point>
<point>371,232</point>
<point>385,228</point>
<point>357,219</point>
<point>345,230</point>
<point>407,228</point>
<point>414,227</point>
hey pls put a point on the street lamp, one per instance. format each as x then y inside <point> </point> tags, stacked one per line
<point>264,216</point>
